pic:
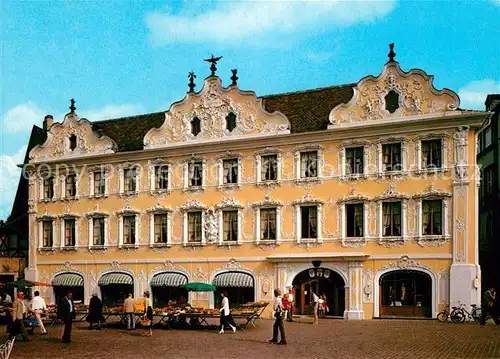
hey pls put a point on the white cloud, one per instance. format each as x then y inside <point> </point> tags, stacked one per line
<point>473,95</point>
<point>495,2</point>
<point>259,22</point>
<point>20,118</point>
<point>319,57</point>
<point>9,178</point>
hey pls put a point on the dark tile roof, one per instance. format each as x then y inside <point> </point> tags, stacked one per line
<point>306,110</point>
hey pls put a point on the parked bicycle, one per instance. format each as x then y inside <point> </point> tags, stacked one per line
<point>460,314</point>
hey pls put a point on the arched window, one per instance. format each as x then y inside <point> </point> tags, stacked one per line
<point>72,142</point>
<point>231,122</point>
<point>195,126</point>
<point>392,101</point>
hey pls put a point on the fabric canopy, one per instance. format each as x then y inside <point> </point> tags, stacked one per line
<point>67,280</point>
<point>116,278</point>
<point>23,283</point>
<point>168,279</point>
<point>233,279</point>
<point>199,287</point>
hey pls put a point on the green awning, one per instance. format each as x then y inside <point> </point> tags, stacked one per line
<point>67,280</point>
<point>116,278</point>
<point>233,279</point>
<point>199,287</point>
<point>168,279</point>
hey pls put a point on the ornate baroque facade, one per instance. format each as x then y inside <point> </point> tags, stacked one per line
<point>227,182</point>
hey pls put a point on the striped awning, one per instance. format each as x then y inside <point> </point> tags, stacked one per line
<point>168,279</point>
<point>67,280</point>
<point>116,278</point>
<point>233,279</point>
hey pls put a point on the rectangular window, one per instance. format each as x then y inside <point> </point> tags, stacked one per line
<point>48,188</point>
<point>99,228</point>
<point>487,182</point>
<point>354,160</point>
<point>69,232</point>
<point>194,227</point>
<point>392,157</point>
<point>130,180</point>
<point>230,222</point>
<point>269,168</point>
<point>70,185</point>
<point>230,171</point>
<point>354,220</point>
<point>487,137</point>
<point>161,228</point>
<point>99,183</point>
<point>309,220</point>
<point>128,229</point>
<point>309,164</point>
<point>431,154</point>
<point>195,174</point>
<point>161,177</point>
<point>268,224</point>
<point>391,224</point>
<point>432,211</point>
<point>48,240</point>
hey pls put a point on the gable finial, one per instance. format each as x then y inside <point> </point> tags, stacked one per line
<point>72,106</point>
<point>213,61</point>
<point>234,78</point>
<point>391,53</point>
<point>191,83</point>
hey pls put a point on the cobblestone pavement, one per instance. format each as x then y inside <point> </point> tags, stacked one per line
<point>329,339</point>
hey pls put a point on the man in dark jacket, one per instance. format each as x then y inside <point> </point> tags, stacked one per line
<point>66,312</point>
<point>488,306</point>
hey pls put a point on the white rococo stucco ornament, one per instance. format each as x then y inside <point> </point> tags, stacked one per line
<point>211,106</point>
<point>416,96</point>
<point>58,144</point>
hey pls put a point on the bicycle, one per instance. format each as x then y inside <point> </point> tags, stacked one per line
<point>455,315</point>
<point>462,314</point>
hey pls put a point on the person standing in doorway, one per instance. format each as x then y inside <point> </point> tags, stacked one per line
<point>292,304</point>
<point>129,311</point>
<point>279,312</point>
<point>488,307</point>
<point>66,312</point>
<point>38,307</point>
<point>225,315</point>
<point>18,314</point>
<point>315,303</point>
<point>95,312</point>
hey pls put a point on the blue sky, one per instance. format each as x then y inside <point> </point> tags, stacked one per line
<point>120,58</point>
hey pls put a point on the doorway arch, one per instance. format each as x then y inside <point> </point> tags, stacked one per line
<point>406,293</point>
<point>320,280</point>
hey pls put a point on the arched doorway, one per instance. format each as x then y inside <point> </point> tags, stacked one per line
<point>239,286</point>
<point>115,287</point>
<point>68,282</point>
<point>320,281</point>
<point>405,293</point>
<point>167,287</point>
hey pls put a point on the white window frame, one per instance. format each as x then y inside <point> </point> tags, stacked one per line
<point>90,224</point>
<point>297,161</point>
<point>446,215</point>
<point>380,156</point>
<point>152,176</point>
<point>220,216</point>
<point>63,186</point>
<point>380,220</point>
<point>343,220</point>
<point>298,222</point>
<point>220,170</point>
<point>62,231</point>
<point>258,161</point>
<point>122,179</point>
<point>152,214</point>
<point>444,152</point>
<point>343,159</point>
<point>40,232</point>
<point>42,189</point>
<point>187,187</point>
<point>137,229</point>
<point>92,173</point>
<point>278,223</point>
<point>186,227</point>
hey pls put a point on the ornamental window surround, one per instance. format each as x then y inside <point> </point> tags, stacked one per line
<point>392,216</point>
<point>229,171</point>
<point>160,176</point>
<point>392,156</point>
<point>308,221</point>
<point>129,177</point>
<point>98,182</point>
<point>160,227</point>
<point>431,152</point>
<point>353,218</point>
<point>69,186</point>
<point>268,221</point>
<point>308,162</point>
<point>47,188</point>
<point>433,210</point>
<point>268,166</point>
<point>70,231</point>
<point>354,159</point>
<point>193,214</point>
<point>194,174</point>
<point>128,228</point>
<point>46,232</point>
<point>98,230</point>
<point>230,218</point>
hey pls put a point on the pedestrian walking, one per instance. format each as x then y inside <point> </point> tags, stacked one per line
<point>279,312</point>
<point>286,304</point>
<point>66,313</point>
<point>292,304</point>
<point>18,314</point>
<point>315,303</point>
<point>488,306</point>
<point>95,312</point>
<point>225,315</point>
<point>129,305</point>
<point>38,307</point>
<point>147,321</point>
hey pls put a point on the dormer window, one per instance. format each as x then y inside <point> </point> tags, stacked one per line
<point>392,101</point>
<point>72,142</point>
<point>195,126</point>
<point>231,122</point>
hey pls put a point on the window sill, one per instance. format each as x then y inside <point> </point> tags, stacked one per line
<point>47,249</point>
<point>194,189</point>
<point>69,199</point>
<point>391,173</point>
<point>391,241</point>
<point>228,243</point>
<point>129,193</point>
<point>269,182</point>
<point>229,185</point>
<point>267,241</point>
<point>47,200</point>
<point>432,170</point>
<point>128,246</point>
<point>354,241</point>
<point>160,245</point>
<point>160,191</point>
<point>69,248</point>
<point>354,177</point>
<point>309,240</point>
<point>194,244</point>
<point>97,196</point>
<point>98,248</point>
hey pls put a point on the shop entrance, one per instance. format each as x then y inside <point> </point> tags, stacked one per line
<point>321,281</point>
<point>405,293</point>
